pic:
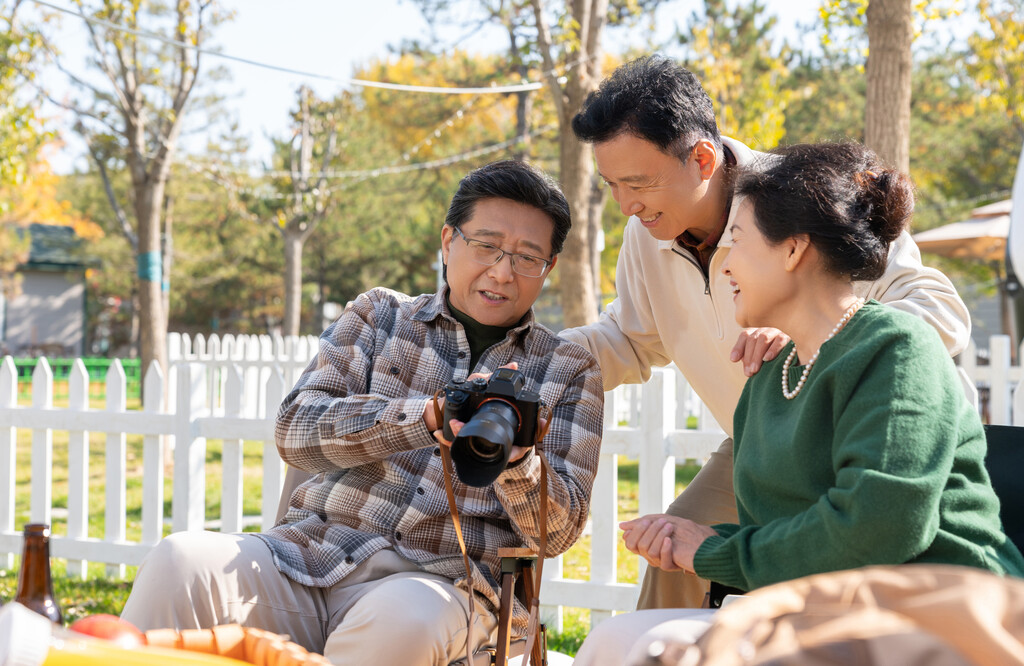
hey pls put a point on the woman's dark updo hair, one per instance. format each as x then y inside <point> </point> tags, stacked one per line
<point>839,194</point>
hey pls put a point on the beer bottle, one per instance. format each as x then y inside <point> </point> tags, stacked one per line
<point>35,587</point>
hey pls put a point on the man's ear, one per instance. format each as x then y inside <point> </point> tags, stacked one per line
<point>446,242</point>
<point>706,157</point>
<point>551,266</point>
<point>797,250</point>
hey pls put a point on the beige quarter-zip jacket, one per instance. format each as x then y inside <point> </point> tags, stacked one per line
<point>667,312</point>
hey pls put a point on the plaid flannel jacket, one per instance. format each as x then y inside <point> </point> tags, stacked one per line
<point>354,420</point>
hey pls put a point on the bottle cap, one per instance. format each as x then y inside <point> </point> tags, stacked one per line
<point>24,636</point>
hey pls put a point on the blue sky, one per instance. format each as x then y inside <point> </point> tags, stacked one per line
<point>332,38</point>
<point>346,34</point>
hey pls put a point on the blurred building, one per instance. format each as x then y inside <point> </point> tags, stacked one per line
<point>47,317</point>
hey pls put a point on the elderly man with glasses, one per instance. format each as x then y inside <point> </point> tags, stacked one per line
<point>365,566</point>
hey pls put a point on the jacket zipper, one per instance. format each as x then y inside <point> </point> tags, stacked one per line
<point>707,278</point>
<point>707,282</point>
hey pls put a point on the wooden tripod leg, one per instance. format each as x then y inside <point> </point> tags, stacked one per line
<point>540,655</point>
<point>505,617</point>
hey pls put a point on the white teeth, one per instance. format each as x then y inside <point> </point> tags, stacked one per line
<point>492,295</point>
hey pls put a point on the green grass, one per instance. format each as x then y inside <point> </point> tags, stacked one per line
<point>77,598</point>
<point>101,594</point>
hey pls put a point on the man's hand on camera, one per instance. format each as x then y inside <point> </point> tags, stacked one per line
<point>439,432</point>
<point>516,453</point>
<point>430,418</point>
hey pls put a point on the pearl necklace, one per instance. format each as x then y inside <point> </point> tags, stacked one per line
<point>850,311</point>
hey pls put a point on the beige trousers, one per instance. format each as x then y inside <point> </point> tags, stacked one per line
<point>387,611</point>
<point>709,499</point>
<point>627,638</point>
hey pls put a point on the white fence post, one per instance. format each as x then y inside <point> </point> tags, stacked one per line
<point>174,348</point>
<point>232,458</point>
<point>1018,403</point>
<point>153,457</point>
<point>8,454</point>
<point>188,505</point>
<point>116,506</point>
<point>42,446</point>
<point>78,466</point>
<point>604,523</point>
<point>999,379</point>
<point>273,466</point>
<point>656,469</point>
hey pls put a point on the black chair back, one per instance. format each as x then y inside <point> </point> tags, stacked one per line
<point>1005,465</point>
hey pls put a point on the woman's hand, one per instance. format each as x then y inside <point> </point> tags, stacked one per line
<point>666,542</point>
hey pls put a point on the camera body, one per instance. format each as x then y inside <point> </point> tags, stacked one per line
<point>498,414</point>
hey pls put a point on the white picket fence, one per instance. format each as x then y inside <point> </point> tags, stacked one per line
<point>223,390</point>
<point>256,357</point>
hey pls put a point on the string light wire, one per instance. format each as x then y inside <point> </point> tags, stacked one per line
<point>437,90</point>
<point>363,174</point>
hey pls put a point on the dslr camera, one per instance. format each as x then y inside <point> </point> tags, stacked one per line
<point>498,414</point>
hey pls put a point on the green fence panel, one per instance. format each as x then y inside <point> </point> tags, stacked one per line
<point>96,367</point>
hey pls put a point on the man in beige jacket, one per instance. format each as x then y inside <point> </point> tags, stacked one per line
<point>657,146</point>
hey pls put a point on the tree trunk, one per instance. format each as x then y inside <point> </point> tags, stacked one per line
<point>152,319</point>
<point>576,167</point>
<point>168,256</point>
<point>523,99</point>
<point>133,335</point>
<point>292,282</point>
<point>147,137</point>
<point>598,197</point>
<point>889,66</point>
<point>523,108</point>
<point>575,264</point>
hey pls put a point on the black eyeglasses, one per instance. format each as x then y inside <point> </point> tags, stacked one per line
<point>488,255</point>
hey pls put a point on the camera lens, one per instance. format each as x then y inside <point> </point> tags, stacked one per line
<point>484,444</point>
<point>483,450</point>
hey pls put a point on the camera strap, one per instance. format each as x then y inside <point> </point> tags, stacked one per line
<point>532,629</point>
<point>447,467</point>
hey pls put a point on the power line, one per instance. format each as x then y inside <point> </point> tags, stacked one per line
<point>358,175</point>
<point>401,168</point>
<point>437,90</point>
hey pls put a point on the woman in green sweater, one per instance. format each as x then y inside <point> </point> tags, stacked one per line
<point>856,446</point>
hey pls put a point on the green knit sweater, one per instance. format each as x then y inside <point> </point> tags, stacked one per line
<point>878,460</point>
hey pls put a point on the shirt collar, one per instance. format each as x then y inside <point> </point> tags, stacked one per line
<point>437,306</point>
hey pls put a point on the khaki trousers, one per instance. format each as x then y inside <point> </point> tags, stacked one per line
<point>628,637</point>
<point>387,611</point>
<point>708,500</point>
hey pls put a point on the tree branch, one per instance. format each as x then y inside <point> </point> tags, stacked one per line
<point>104,61</point>
<point>76,80</point>
<point>544,46</point>
<point>332,143</point>
<point>115,205</point>
<point>598,16</point>
<point>80,112</point>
